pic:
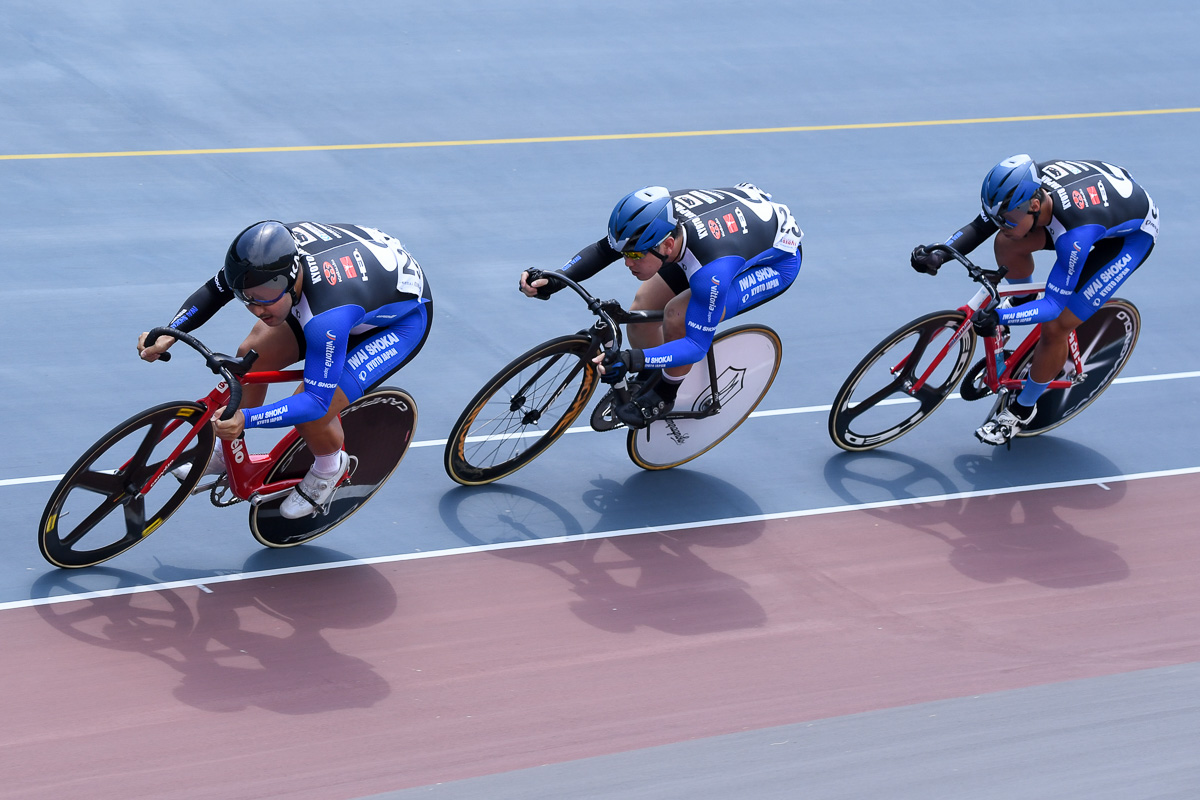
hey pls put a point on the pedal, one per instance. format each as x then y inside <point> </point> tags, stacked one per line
<point>603,418</point>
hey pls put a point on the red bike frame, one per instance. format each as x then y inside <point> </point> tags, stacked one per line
<point>246,470</point>
<point>990,345</point>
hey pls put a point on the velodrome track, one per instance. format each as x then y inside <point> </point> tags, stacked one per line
<point>776,619</point>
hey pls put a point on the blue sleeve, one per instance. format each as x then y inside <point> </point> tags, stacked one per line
<point>710,285</point>
<point>325,339</point>
<point>1071,252</point>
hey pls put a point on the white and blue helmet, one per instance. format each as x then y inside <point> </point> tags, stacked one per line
<point>641,220</point>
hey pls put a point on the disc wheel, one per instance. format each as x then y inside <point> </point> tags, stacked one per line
<point>379,428</point>
<point>746,358</point>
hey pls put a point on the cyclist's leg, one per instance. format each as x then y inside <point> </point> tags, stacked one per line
<point>373,356</point>
<point>1107,267</point>
<point>370,358</point>
<point>760,283</point>
<point>653,295</point>
<point>277,348</point>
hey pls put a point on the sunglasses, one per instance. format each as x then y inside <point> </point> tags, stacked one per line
<point>1005,221</point>
<point>279,282</point>
<point>633,255</point>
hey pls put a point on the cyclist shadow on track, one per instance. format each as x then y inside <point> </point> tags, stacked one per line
<point>247,643</point>
<point>651,579</point>
<point>996,537</point>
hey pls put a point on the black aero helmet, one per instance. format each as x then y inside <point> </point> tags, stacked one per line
<point>264,254</point>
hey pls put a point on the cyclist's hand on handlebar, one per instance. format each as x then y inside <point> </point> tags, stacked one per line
<point>985,321</point>
<point>228,429</point>
<point>926,260</point>
<point>614,365</point>
<point>161,345</point>
<point>535,283</point>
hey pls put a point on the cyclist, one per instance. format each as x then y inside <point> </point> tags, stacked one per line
<point>1101,225</point>
<point>702,255</point>
<point>347,299</point>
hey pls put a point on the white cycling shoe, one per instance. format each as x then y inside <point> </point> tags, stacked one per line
<point>215,466</point>
<point>1002,428</point>
<point>312,495</point>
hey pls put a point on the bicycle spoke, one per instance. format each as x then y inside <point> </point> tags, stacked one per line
<point>91,521</point>
<point>105,482</point>
<point>135,516</point>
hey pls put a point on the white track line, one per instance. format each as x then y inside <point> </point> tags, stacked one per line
<point>204,583</point>
<point>1173,376</point>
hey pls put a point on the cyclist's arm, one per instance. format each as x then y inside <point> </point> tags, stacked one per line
<point>710,288</point>
<point>1071,252</point>
<point>590,260</point>
<point>325,339</point>
<point>973,234</point>
<point>203,303</point>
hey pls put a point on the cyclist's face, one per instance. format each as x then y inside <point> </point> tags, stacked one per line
<point>651,262</point>
<point>272,314</point>
<point>1023,221</point>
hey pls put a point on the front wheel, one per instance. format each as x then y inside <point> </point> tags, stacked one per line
<point>877,404</point>
<point>81,527</point>
<point>1106,341</point>
<point>379,428</point>
<point>747,358</point>
<point>521,411</point>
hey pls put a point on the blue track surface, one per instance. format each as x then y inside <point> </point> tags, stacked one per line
<point>894,113</point>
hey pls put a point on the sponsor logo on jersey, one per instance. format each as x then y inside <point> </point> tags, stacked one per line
<point>314,272</point>
<point>362,267</point>
<point>712,295</point>
<point>730,223</point>
<point>1076,249</point>
<point>331,273</point>
<point>348,267</point>
<point>1093,195</point>
<point>1117,270</point>
<point>741,219</point>
<point>1077,196</point>
<point>715,228</point>
<point>330,345</point>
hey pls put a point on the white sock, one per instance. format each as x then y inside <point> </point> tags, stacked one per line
<point>327,466</point>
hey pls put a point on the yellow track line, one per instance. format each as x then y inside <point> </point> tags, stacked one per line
<point>600,137</point>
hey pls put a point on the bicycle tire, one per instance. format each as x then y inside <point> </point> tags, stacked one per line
<point>117,467</point>
<point>379,428</point>
<point>1106,341</point>
<point>883,363</point>
<point>557,375</point>
<point>747,360</point>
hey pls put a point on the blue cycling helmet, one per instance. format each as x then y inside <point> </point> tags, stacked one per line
<point>265,254</point>
<point>641,220</point>
<point>1011,184</point>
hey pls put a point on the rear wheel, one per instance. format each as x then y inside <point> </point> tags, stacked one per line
<point>1106,341</point>
<point>379,428</point>
<point>876,404</point>
<point>105,505</point>
<point>521,411</point>
<point>747,358</point>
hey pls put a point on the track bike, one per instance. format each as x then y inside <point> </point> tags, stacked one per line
<point>532,402</point>
<point>914,370</point>
<point>119,492</point>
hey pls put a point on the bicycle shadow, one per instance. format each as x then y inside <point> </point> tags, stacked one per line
<point>995,537</point>
<point>644,579</point>
<point>238,644</point>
